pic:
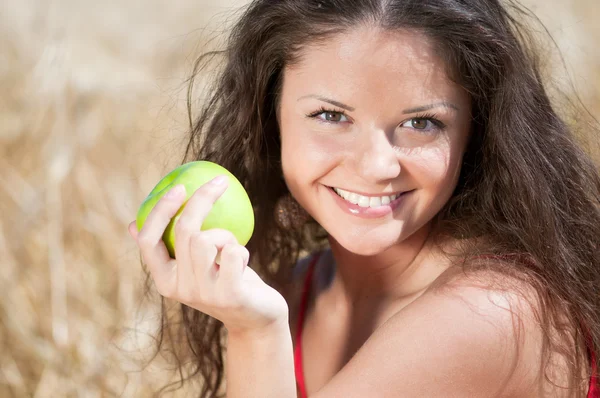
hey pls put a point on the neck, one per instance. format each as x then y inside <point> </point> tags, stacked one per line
<point>401,271</point>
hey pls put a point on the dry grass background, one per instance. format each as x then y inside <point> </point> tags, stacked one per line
<point>92,114</point>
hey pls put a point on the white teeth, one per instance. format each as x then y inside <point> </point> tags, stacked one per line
<point>375,202</point>
<point>365,201</point>
<point>345,194</point>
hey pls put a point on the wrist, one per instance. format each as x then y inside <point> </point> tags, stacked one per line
<point>267,332</point>
<point>260,362</point>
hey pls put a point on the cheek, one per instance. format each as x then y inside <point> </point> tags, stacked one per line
<point>307,155</point>
<point>433,169</point>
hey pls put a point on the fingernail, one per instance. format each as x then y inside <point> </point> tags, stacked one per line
<point>175,192</point>
<point>220,180</point>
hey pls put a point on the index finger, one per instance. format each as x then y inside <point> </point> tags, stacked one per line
<point>195,211</point>
<point>200,203</point>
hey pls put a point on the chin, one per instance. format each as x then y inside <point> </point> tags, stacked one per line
<point>365,245</point>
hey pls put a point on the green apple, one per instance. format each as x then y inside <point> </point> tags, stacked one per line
<point>232,211</point>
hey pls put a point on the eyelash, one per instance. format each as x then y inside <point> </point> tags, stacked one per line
<point>432,117</point>
<point>321,110</point>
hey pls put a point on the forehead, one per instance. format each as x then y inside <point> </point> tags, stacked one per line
<point>369,59</point>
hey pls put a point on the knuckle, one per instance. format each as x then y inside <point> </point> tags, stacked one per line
<point>227,248</point>
<point>244,252</point>
<point>228,252</point>
<point>237,250</point>
<point>230,237</point>
<point>170,202</point>
<point>223,236</point>
<point>208,189</point>
<point>207,195</point>
<point>184,226</point>
<point>199,239</point>
<point>165,211</point>
<point>145,241</point>
<point>163,289</point>
<point>202,195</point>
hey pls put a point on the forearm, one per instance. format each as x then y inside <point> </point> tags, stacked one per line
<point>261,364</point>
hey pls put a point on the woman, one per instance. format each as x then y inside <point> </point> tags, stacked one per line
<point>453,222</point>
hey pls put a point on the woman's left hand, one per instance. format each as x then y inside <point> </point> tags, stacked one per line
<point>210,272</point>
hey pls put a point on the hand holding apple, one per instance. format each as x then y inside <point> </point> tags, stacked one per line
<point>232,211</point>
<point>210,272</point>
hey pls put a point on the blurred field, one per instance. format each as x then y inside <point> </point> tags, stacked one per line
<point>92,114</point>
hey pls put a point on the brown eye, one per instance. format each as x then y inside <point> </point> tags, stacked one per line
<point>423,125</point>
<point>333,116</point>
<point>329,116</point>
<point>419,124</point>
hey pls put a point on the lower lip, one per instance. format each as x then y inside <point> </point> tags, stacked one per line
<point>367,212</point>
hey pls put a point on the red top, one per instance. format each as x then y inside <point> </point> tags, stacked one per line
<point>298,349</point>
<point>593,392</point>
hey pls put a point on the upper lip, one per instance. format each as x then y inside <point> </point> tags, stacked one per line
<point>371,194</point>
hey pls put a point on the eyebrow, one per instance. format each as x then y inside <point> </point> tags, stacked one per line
<point>417,109</point>
<point>431,106</point>
<point>325,99</point>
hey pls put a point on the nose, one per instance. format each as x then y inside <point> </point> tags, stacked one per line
<point>377,159</point>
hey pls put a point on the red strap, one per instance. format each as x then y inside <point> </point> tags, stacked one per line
<point>298,349</point>
<point>594,391</point>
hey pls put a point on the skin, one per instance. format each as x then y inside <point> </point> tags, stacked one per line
<point>366,142</point>
<point>374,149</point>
<point>396,320</point>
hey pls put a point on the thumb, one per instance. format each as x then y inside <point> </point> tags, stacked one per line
<point>133,230</point>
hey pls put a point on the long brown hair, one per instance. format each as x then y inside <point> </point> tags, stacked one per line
<point>526,186</point>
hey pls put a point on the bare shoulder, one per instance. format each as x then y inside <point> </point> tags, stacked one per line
<point>494,291</point>
<point>471,334</point>
<point>513,307</point>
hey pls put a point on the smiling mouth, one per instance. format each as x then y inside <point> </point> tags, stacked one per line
<point>366,201</point>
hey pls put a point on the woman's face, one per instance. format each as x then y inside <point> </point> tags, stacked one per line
<point>372,133</point>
